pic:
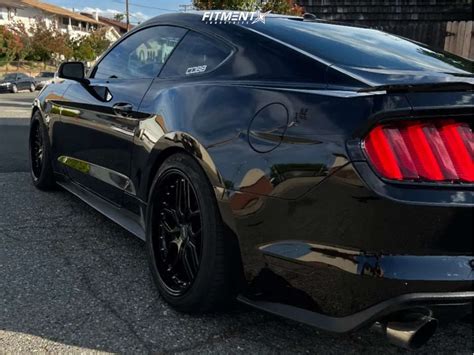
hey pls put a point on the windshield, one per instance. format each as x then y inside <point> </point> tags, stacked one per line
<point>362,47</point>
<point>8,77</point>
<point>46,74</point>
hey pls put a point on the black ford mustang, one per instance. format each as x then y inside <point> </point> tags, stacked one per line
<point>317,171</point>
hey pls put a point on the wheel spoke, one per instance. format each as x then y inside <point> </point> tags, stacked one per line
<point>170,213</point>
<point>191,250</point>
<point>194,233</point>
<point>183,198</point>
<point>194,213</point>
<point>40,155</point>
<point>169,222</point>
<point>168,229</point>
<point>188,266</point>
<point>178,194</point>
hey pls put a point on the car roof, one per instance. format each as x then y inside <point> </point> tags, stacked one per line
<point>369,56</point>
<point>193,20</point>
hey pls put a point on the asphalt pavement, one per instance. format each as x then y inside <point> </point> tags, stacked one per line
<point>72,281</point>
<point>16,105</point>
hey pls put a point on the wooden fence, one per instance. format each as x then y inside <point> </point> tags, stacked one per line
<point>459,39</point>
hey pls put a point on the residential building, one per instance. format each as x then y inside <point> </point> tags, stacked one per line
<point>29,12</point>
<point>120,27</point>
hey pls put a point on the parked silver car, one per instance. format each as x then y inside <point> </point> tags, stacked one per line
<point>44,78</point>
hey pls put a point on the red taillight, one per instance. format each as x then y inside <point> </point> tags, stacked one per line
<point>422,151</point>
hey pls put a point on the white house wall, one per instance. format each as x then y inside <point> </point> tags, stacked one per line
<point>29,16</point>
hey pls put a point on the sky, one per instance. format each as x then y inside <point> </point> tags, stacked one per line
<point>140,10</point>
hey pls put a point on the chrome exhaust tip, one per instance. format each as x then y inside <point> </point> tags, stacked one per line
<point>411,332</point>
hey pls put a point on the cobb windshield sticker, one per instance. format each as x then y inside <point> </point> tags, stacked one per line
<point>196,70</point>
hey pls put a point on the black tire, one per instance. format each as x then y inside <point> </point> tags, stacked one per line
<point>213,285</point>
<point>40,155</point>
<point>14,89</point>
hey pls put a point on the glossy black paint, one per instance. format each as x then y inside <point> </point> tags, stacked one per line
<point>277,130</point>
<point>94,130</point>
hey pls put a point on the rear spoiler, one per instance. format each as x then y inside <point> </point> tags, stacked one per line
<point>401,88</point>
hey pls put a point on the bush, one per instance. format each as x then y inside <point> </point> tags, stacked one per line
<point>11,45</point>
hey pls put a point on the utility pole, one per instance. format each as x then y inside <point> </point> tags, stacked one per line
<point>127,14</point>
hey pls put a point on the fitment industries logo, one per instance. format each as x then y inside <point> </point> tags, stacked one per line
<point>234,17</point>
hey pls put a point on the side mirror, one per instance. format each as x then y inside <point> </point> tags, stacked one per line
<point>72,71</point>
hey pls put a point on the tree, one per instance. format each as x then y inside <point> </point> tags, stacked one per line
<point>88,48</point>
<point>119,17</point>
<point>80,50</point>
<point>42,41</point>
<point>98,41</point>
<point>288,7</point>
<point>11,46</point>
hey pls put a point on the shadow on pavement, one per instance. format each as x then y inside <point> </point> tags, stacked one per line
<point>73,281</point>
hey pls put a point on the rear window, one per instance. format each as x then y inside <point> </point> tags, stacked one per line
<point>196,54</point>
<point>361,47</point>
<point>9,77</point>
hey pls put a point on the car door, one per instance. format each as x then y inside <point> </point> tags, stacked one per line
<point>17,81</point>
<point>99,119</point>
<point>22,81</point>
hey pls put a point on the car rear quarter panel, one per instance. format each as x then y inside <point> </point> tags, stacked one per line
<point>334,244</point>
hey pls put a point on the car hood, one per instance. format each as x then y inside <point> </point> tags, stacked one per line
<point>5,81</point>
<point>392,77</point>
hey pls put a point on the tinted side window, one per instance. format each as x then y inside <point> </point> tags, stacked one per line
<point>196,54</point>
<point>140,56</point>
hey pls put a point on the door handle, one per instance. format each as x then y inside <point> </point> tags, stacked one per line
<point>123,109</point>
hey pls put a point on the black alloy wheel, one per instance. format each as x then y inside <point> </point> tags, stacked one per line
<point>36,149</point>
<point>194,260</point>
<point>40,156</point>
<point>177,245</point>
